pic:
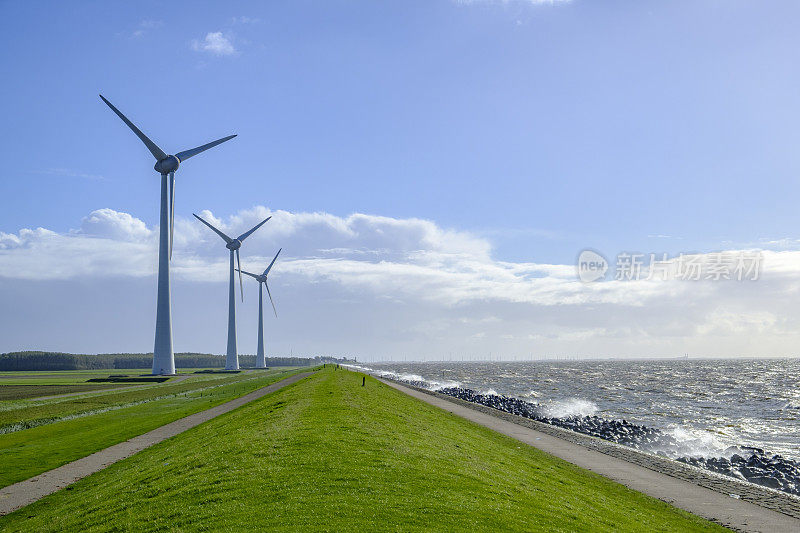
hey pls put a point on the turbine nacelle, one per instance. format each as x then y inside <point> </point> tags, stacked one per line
<point>233,245</point>
<point>262,278</point>
<point>167,165</point>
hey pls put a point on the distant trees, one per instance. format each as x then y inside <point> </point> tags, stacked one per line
<point>51,361</point>
<point>67,361</point>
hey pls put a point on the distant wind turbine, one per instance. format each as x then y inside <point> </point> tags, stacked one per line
<point>261,361</point>
<point>232,358</point>
<point>166,165</point>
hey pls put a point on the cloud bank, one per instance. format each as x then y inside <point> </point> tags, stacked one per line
<point>439,285</point>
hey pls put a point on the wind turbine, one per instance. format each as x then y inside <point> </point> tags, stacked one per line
<point>166,165</point>
<point>232,358</point>
<point>261,361</point>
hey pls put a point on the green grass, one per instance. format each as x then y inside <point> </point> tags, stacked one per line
<point>73,375</point>
<point>65,379</point>
<point>36,450</point>
<point>328,454</point>
<point>93,371</point>
<point>19,392</point>
<point>32,413</point>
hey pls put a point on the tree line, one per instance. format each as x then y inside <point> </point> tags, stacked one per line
<point>68,361</point>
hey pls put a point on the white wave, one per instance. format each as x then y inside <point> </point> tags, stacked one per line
<point>411,377</point>
<point>570,407</point>
<point>490,392</point>
<point>416,379</point>
<point>358,367</point>
<point>695,443</point>
<point>436,385</point>
<point>384,373</point>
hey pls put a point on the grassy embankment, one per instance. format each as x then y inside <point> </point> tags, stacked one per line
<point>328,454</point>
<point>70,431</point>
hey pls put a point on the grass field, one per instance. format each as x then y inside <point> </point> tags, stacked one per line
<point>21,392</point>
<point>38,449</point>
<point>46,380</point>
<point>90,372</point>
<point>72,377</point>
<point>60,373</point>
<point>37,412</point>
<point>328,454</point>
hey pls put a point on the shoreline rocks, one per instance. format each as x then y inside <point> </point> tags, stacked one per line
<point>744,463</point>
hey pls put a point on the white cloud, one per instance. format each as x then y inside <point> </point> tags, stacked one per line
<point>108,244</point>
<point>215,43</point>
<point>110,224</point>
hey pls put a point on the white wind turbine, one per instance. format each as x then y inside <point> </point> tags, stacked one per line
<point>166,165</point>
<point>261,360</point>
<point>232,358</point>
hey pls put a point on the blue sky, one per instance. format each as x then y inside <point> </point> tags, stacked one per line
<point>528,130</point>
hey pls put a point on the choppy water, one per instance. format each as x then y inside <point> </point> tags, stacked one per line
<point>708,405</point>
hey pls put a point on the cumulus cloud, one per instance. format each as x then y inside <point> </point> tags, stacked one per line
<point>215,43</point>
<point>114,225</point>
<point>108,244</point>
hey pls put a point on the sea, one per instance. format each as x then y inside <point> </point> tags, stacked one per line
<point>708,405</point>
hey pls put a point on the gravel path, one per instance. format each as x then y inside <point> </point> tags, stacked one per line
<point>26,492</point>
<point>734,504</point>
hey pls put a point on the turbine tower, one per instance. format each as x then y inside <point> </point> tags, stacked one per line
<point>166,165</point>
<point>261,361</point>
<point>232,358</point>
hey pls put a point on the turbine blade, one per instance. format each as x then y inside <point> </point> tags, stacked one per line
<point>171,211</point>
<point>239,264</point>
<point>227,239</point>
<point>247,273</point>
<point>157,152</point>
<point>246,234</point>
<point>186,154</point>
<point>270,300</point>
<point>273,262</point>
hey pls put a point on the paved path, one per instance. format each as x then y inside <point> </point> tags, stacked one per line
<point>26,492</point>
<point>723,509</point>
